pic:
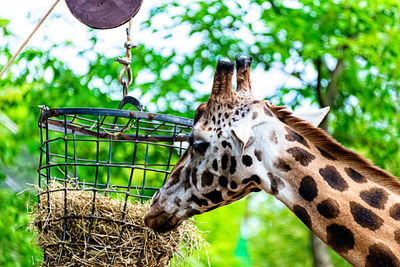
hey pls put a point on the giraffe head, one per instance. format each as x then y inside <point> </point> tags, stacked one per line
<point>228,155</point>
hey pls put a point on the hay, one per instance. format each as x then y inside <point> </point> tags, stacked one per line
<point>138,246</point>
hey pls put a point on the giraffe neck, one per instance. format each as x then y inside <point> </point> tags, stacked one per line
<point>340,199</point>
<point>352,217</point>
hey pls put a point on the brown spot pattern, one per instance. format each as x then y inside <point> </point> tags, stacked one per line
<point>329,208</point>
<point>273,137</point>
<point>186,182</point>
<point>224,161</point>
<point>292,136</point>
<point>380,255</point>
<point>191,212</point>
<point>301,155</point>
<point>177,201</point>
<point>308,188</point>
<point>232,168</point>
<point>355,175</point>
<point>397,236</point>
<point>333,178</point>
<point>199,202</point>
<point>215,165</point>
<point>375,197</point>
<point>194,177</point>
<point>215,196</point>
<point>176,175</point>
<point>340,238</point>
<point>395,211</point>
<point>276,183</point>
<point>258,154</point>
<point>365,217</point>
<point>207,179</point>
<point>282,165</point>
<point>326,154</point>
<point>247,160</point>
<point>223,181</point>
<point>303,215</point>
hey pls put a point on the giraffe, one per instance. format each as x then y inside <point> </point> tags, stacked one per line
<point>240,145</point>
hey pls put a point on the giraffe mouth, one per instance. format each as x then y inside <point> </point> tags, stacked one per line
<point>161,221</point>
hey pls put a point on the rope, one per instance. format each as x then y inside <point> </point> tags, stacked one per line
<point>29,37</point>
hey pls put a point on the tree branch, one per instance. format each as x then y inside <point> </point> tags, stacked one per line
<point>274,7</point>
<point>320,253</point>
<point>318,64</point>
<point>332,89</point>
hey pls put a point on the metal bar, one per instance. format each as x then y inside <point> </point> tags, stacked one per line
<point>118,113</point>
<point>72,121</point>
<point>111,126</point>
<point>48,169</point>
<point>156,129</point>
<point>126,126</point>
<point>100,185</point>
<point>107,165</point>
<point>106,162</point>
<point>73,118</point>
<point>40,162</point>
<point>118,141</point>
<point>169,158</point>
<point>103,190</point>
<point>75,156</point>
<point>128,191</point>
<point>145,169</point>
<point>65,190</point>
<point>120,136</point>
<point>48,174</point>
<point>123,129</point>
<point>109,168</point>
<point>95,186</point>
<point>98,218</point>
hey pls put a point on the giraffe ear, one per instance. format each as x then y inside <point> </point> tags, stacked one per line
<point>314,117</point>
<point>244,137</point>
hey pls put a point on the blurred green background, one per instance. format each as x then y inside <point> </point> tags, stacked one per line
<point>344,54</point>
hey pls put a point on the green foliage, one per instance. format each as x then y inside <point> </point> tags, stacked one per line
<point>17,243</point>
<point>274,220</point>
<point>342,53</point>
<point>279,236</point>
<point>227,229</point>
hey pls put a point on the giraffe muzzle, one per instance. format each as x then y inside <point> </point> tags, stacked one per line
<point>161,221</point>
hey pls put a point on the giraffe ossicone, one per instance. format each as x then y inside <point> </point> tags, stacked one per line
<point>240,145</point>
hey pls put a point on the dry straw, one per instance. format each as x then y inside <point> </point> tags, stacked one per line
<point>138,246</point>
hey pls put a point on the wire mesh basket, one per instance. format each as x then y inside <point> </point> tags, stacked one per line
<point>126,155</point>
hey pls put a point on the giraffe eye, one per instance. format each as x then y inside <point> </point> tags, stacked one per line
<point>199,145</point>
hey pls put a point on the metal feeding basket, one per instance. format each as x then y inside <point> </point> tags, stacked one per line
<point>126,155</point>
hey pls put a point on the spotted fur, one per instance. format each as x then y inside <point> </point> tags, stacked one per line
<point>302,156</point>
<point>329,208</point>
<point>375,197</point>
<point>380,255</point>
<point>340,238</point>
<point>333,178</point>
<point>365,217</point>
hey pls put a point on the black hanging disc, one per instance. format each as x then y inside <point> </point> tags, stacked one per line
<point>104,14</point>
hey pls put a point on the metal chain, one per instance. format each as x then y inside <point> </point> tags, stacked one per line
<point>126,61</point>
